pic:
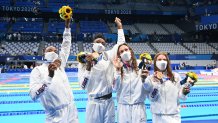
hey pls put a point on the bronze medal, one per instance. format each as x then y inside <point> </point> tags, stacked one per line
<point>159,75</point>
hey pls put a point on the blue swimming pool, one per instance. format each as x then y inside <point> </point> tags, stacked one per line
<point>17,107</point>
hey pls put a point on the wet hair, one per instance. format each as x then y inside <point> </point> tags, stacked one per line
<point>133,58</point>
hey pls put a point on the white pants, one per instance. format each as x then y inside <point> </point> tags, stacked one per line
<point>132,113</point>
<point>158,118</point>
<point>67,114</point>
<point>100,111</point>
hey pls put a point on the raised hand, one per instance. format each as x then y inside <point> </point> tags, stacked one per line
<point>57,62</point>
<point>89,57</point>
<point>119,23</point>
<point>51,68</point>
<point>144,74</point>
<point>117,63</point>
<point>95,55</point>
<point>67,23</point>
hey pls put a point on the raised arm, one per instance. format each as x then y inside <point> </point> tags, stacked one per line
<point>66,44</point>
<point>120,39</point>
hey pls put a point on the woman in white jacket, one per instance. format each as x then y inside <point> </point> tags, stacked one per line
<point>49,83</point>
<point>128,84</point>
<point>165,91</point>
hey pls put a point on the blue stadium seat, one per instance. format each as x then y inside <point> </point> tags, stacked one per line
<point>58,27</point>
<point>93,27</point>
<point>30,27</point>
<point>3,26</point>
<point>4,2</point>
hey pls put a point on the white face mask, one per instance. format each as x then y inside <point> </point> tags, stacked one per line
<point>98,47</point>
<point>162,65</point>
<point>51,56</point>
<point>126,56</point>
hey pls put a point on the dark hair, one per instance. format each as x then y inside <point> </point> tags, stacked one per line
<point>133,58</point>
<point>99,35</point>
<point>168,69</point>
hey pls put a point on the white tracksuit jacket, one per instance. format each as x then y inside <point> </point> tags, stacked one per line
<point>55,93</point>
<point>99,83</point>
<point>130,96</point>
<point>165,106</point>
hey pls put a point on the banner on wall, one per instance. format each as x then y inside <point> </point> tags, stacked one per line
<point>17,8</point>
<point>201,27</point>
<point>209,19</point>
<point>91,11</point>
<point>118,12</point>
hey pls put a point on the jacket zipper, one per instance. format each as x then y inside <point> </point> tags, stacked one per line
<point>165,97</point>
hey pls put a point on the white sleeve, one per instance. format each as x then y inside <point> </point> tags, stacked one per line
<point>81,70</point>
<point>148,83</point>
<point>121,37</point>
<point>117,81</point>
<point>180,87</point>
<point>152,87</point>
<point>65,47</point>
<point>83,76</point>
<point>181,95</point>
<point>120,40</point>
<point>38,86</point>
